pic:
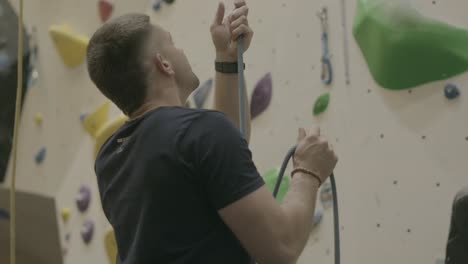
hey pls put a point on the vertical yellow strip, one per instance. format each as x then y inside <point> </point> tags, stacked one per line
<point>19,94</point>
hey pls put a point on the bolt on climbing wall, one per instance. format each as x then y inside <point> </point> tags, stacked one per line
<point>402,152</point>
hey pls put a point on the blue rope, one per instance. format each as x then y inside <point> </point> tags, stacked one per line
<point>242,96</point>
<point>336,223</point>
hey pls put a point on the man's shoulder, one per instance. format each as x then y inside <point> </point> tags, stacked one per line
<point>212,121</point>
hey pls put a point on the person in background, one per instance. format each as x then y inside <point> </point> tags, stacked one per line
<point>457,244</point>
<point>178,185</point>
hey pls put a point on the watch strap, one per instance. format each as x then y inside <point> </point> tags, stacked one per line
<point>227,67</point>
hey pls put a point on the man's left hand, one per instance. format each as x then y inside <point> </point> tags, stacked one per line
<point>226,30</point>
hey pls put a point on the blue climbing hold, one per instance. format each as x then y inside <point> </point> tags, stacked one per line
<point>157,5</point>
<point>451,91</point>
<point>326,195</point>
<point>4,62</point>
<point>318,216</point>
<point>4,214</point>
<point>201,93</point>
<point>83,116</point>
<point>40,156</point>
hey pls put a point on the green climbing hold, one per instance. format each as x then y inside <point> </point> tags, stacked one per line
<point>321,104</point>
<point>403,48</point>
<point>270,178</point>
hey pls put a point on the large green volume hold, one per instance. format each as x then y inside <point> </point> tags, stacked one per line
<point>270,178</point>
<point>404,49</point>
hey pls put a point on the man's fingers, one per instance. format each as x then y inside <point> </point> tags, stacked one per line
<point>301,134</point>
<point>219,14</point>
<point>241,30</point>
<point>241,20</point>
<point>315,131</point>
<point>238,12</point>
<point>239,3</point>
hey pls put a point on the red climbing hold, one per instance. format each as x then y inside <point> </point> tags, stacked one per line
<point>105,9</point>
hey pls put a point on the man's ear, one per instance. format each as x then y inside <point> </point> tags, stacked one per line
<point>163,65</point>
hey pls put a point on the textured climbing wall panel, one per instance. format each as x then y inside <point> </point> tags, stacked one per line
<point>402,153</point>
<point>37,235</point>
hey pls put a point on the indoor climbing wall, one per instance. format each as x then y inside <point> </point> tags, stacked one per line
<point>402,139</point>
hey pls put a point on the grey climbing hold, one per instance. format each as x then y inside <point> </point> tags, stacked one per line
<point>83,198</point>
<point>326,195</point>
<point>169,1</point>
<point>3,42</point>
<point>40,156</point>
<point>87,231</point>
<point>67,237</point>
<point>4,214</point>
<point>201,93</point>
<point>451,91</point>
<point>318,216</point>
<point>261,96</point>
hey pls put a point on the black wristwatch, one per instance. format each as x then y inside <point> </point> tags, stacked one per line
<point>227,67</point>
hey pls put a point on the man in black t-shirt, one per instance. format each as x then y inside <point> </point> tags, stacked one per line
<point>179,185</point>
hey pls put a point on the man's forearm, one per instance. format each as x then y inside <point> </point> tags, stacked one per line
<point>299,207</point>
<point>227,97</point>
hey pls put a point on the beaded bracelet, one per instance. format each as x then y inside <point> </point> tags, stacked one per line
<point>306,171</point>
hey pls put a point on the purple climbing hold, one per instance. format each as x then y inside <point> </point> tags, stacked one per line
<point>4,214</point>
<point>40,156</point>
<point>87,231</point>
<point>201,93</point>
<point>83,198</point>
<point>261,96</point>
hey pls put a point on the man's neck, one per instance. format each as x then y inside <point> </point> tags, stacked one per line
<point>146,107</point>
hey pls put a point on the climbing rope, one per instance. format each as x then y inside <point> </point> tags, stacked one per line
<point>19,94</point>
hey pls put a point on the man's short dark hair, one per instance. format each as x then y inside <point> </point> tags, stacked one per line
<point>114,60</point>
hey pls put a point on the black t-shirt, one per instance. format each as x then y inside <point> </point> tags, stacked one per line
<point>162,179</point>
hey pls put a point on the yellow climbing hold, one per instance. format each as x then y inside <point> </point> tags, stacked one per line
<point>107,130</point>
<point>94,121</point>
<point>38,117</point>
<point>65,213</point>
<point>111,245</point>
<point>70,45</point>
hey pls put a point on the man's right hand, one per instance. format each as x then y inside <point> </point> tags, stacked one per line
<point>314,153</point>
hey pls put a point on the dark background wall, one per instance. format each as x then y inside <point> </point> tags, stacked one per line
<point>8,79</point>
